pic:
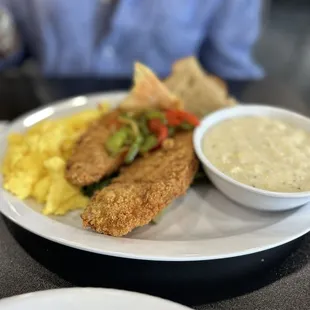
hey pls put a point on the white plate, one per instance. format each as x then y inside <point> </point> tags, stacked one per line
<point>87,298</point>
<point>202,225</point>
<point>3,125</point>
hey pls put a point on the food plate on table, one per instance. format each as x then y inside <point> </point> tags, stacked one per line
<point>123,166</point>
<point>87,298</point>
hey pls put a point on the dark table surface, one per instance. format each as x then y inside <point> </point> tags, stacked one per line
<point>30,263</point>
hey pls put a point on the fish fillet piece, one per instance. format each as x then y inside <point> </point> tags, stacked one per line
<point>143,189</point>
<point>90,161</point>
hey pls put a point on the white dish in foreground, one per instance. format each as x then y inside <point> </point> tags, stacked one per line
<point>241,193</point>
<point>202,225</point>
<point>87,298</point>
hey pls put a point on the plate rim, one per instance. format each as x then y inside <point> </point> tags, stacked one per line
<point>87,290</point>
<point>145,249</point>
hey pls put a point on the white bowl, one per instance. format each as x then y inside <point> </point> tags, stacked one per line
<point>239,192</point>
<point>87,298</point>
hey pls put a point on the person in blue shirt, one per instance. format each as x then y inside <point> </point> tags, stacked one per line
<point>105,37</point>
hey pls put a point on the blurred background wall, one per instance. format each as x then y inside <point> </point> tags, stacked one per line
<point>284,46</point>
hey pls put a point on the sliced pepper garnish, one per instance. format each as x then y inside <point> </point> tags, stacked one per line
<point>144,132</point>
<point>186,126</point>
<point>159,129</point>
<point>116,141</point>
<point>173,118</point>
<point>190,118</point>
<point>133,150</point>
<point>177,117</point>
<point>142,123</point>
<point>155,114</point>
<point>130,122</point>
<point>149,144</point>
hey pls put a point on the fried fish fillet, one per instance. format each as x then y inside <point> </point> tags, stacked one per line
<point>143,189</point>
<point>90,161</point>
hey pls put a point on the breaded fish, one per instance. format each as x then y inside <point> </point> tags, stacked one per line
<point>143,189</point>
<point>90,161</point>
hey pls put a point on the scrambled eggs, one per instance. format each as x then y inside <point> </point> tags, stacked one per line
<point>35,162</point>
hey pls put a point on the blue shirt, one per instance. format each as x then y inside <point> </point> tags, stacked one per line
<point>102,37</point>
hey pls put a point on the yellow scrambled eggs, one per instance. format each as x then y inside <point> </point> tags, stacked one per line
<point>35,162</point>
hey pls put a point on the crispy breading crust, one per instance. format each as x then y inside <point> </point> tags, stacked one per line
<point>90,161</point>
<point>143,189</point>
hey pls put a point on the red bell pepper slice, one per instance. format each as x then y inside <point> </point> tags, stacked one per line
<point>159,129</point>
<point>173,118</point>
<point>176,117</point>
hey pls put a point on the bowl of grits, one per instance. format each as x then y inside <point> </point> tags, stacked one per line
<point>258,156</point>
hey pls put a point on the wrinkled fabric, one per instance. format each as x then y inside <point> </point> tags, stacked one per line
<point>93,37</point>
